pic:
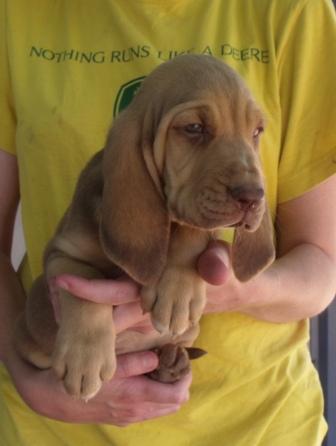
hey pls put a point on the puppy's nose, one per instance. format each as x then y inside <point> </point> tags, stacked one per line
<point>247,196</point>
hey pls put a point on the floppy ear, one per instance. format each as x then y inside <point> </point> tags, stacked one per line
<point>134,222</point>
<point>252,252</point>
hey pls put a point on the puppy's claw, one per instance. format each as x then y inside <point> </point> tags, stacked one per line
<point>195,352</point>
<point>161,328</point>
<point>60,369</point>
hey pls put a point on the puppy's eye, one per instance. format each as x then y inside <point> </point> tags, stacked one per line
<point>194,128</point>
<point>258,131</point>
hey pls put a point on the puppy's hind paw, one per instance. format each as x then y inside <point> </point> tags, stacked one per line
<point>173,364</point>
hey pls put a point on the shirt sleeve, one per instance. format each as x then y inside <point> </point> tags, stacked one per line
<point>7,113</point>
<point>307,83</point>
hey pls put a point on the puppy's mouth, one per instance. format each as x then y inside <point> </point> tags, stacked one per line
<point>218,213</point>
<point>248,220</point>
<point>241,224</point>
<point>205,222</point>
<point>245,224</point>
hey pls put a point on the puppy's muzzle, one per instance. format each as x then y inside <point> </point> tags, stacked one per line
<point>248,197</point>
<point>250,200</point>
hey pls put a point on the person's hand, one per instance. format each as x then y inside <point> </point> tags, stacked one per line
<point>224,291</point>
<point>130,396</point>
<point>122,294</point>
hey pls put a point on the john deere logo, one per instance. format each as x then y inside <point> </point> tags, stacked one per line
<point>126,94</point>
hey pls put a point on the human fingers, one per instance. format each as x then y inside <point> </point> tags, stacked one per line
<point>167,393</point>
<point>45,395</point>
<point>134,364</point>
<point>106,291</point>
<point>142,389</point>
<point>129,414</point>
<point>131,315</point>
<point>129,382</point>
<point>214,264</point>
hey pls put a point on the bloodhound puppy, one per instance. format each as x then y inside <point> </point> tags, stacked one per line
<point>180,163</point>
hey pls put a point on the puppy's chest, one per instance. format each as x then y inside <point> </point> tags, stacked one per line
<point>97,258</point>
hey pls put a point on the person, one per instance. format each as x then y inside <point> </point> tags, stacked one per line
<point>64,65</point>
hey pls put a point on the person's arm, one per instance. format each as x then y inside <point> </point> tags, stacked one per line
<point>129,397</point>
<point>301,283</point>
<point>12,296</point>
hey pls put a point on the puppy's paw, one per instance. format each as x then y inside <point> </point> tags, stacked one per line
<point>84,361</point>
<point>176,302</point>
<point>173,364</point>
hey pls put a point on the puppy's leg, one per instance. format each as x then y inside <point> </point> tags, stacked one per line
<point>84,353</point>
<point>36,328</point>
<point>177,300</point>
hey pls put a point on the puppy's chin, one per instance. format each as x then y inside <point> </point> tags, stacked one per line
<point>207,223</point>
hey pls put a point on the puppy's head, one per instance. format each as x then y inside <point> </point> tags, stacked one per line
<point>186,150</point>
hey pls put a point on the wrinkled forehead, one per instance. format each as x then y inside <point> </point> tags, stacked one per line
<point>217,94</point>
<point>220,110</point>
<point>187,78</point>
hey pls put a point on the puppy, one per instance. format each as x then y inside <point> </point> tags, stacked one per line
<point>180,163</point>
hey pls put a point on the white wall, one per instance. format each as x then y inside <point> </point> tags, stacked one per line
<point>18,248</point>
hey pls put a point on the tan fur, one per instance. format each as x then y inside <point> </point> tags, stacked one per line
<point>147,205</point>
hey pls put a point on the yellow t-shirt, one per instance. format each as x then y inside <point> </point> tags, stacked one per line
<point>66,68</point>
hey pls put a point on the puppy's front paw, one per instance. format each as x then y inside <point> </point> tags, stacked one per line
<point>84,360</point>
<point>176,302</point>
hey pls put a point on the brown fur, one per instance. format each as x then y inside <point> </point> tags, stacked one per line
<point>179,163</point>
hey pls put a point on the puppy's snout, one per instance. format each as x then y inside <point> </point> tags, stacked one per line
<point>248,197</point>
